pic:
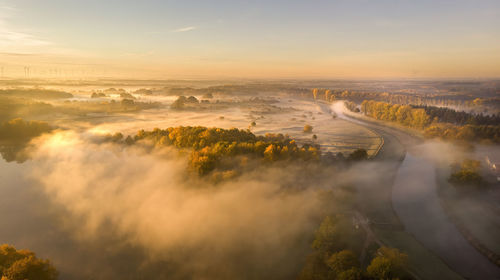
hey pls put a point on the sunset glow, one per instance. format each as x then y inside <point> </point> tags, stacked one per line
<point>234,39</point>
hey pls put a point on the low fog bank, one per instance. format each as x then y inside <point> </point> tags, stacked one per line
<point>105,211</point>
<point>101,210</point>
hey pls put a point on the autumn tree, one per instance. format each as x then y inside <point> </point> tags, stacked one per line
<point>19,130</point>
<point>342,261</point>
<point>315,93</point>
<point>467,175</point>
<point>210,146</point>
<point>24,265</point>
<point>389,263</point>
<point>328,95</point>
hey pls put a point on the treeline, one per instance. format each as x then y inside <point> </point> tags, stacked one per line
<point>15,107</point>
<point>417,117</point>
<point>466,102</point>
<point>394,98</point>
<point>35,93</point>
<point>402,114</point>
<point>16,134</point>
<point>212,147</point>
<point>228,151</point>
<point>19,131</point>
<point>233,89</point>
<point>447,115</point>
<point>23,264</point>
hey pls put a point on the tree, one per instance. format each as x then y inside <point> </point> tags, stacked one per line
<point>359,154</point>
<point>192,99</point>
<point>23,264</point>
<point>466,178</point>
<point>467,175</point>
<point>389,263</point>
<point>315,93</point>
<point>19,130</point>
<point>127,102</point>
<point>471,165</point>
<point>353,273</point>
<point>342,261</point>
<point>315,268</point>
<point>328,93</point>
<point>325,236</point>
<point>271,153</point>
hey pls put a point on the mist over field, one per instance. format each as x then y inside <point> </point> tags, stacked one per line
<point>241,182</point>
<point>214,140</point>
<point>140,213</point>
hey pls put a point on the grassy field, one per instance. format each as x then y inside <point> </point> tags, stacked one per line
<point>286,116</point>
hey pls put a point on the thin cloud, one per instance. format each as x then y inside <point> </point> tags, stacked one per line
<point>185,29</point>
<point>13,39</point>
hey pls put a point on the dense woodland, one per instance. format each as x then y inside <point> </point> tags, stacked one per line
<point>447,115</point>
<point>419,118</point>
<point>466,102</point>
<point>225,149</point>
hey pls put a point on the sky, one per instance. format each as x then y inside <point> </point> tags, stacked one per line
<point>250,39</point>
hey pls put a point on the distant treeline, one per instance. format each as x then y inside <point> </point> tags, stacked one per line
<point>448,115</point>
<point>444,100</point>
<point>23,106</point>
<point>436,121</point>
<point>246,89</point>
<point>35,93</point>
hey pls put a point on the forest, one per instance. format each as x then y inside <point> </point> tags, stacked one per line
<point>448,115</point>
<point>488,104</point>
<point>224,149</point>
<point>432,121</point>
<point>228,151</point>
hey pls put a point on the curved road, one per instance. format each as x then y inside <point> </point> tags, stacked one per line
<point>415,201</point>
